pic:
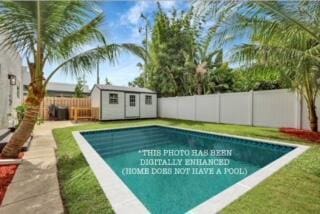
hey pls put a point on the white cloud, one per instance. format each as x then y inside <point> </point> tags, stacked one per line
<point>134,13</point>
<point>168,4</point>
<point>132,17</point>
<point>135,36</point>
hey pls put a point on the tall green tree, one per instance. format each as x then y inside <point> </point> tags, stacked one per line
<point>141,80</point>
<point>138,82</point>
<point>107,81</point>
<point>284,35</point>
<point>172,44</point>
<point>51,32</point>
<point>183,57</point>
<point>220,79</point>
<point>256,78</point>
<point>79,89</point>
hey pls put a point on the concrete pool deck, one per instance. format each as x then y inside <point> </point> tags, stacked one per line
<point>35,187</point>
<point>122,199</point>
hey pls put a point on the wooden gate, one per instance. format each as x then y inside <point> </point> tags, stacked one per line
<point>71,103</point>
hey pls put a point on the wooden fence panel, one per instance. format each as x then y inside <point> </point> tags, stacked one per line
<point>62,101</point>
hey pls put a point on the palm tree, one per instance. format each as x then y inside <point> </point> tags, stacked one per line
<point>205,53</point>
<point>51,32</point>
<point>284,35</point>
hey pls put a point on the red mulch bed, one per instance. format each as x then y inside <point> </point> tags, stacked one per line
<point>6,175</point>
<point>302,134</point>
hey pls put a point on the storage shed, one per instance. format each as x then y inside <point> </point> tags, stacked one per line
<point>118,102</point>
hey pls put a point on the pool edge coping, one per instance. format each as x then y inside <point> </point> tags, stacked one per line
<point>121,198</point>
<point>235,191</point>
<point>213,205</point>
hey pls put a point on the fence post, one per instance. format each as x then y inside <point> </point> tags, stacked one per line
<point>195,108</point>
<point>219,107</point>
<point>251,107</point>
<point>75,114</point>
<point>158,107</point>
<point>177,107</point>
<point>299,103</point>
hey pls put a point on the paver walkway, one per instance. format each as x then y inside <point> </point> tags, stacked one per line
<point>35,188</point>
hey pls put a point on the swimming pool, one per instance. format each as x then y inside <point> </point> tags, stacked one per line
<point>172,170</point>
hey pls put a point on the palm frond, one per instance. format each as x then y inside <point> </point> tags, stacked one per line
<point>279,10</point>
<point>17,26</point>
<point>136,50</point>
<point>86,61</point>
<point>74,40</point>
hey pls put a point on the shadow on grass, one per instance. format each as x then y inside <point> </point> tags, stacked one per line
<point>80,190</point>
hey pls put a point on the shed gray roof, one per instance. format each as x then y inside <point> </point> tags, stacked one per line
<point>54,86</point>
<point>124,88</point>
<point>64,87</point>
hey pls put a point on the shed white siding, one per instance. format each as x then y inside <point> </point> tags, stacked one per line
<point>112,111</point>
<point>148,111</point>
<point>132,111</point>
<point>95,98</point>
<point>131,102</point>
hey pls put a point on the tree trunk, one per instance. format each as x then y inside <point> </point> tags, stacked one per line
<point>201,71</point>
<point>199,83</point>
<point>21,135</point>
<point>313,117</point>
<point>199,88</point>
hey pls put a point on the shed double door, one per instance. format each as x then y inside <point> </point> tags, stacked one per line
<point>132,106</point>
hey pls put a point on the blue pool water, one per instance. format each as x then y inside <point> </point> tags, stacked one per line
<point>177,193</point>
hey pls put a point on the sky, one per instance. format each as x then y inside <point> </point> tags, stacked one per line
<point>122,25</point>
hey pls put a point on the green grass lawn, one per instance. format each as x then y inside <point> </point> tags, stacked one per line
<point>293,189</point>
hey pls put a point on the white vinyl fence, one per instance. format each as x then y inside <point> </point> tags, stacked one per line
<point>272,108</point>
